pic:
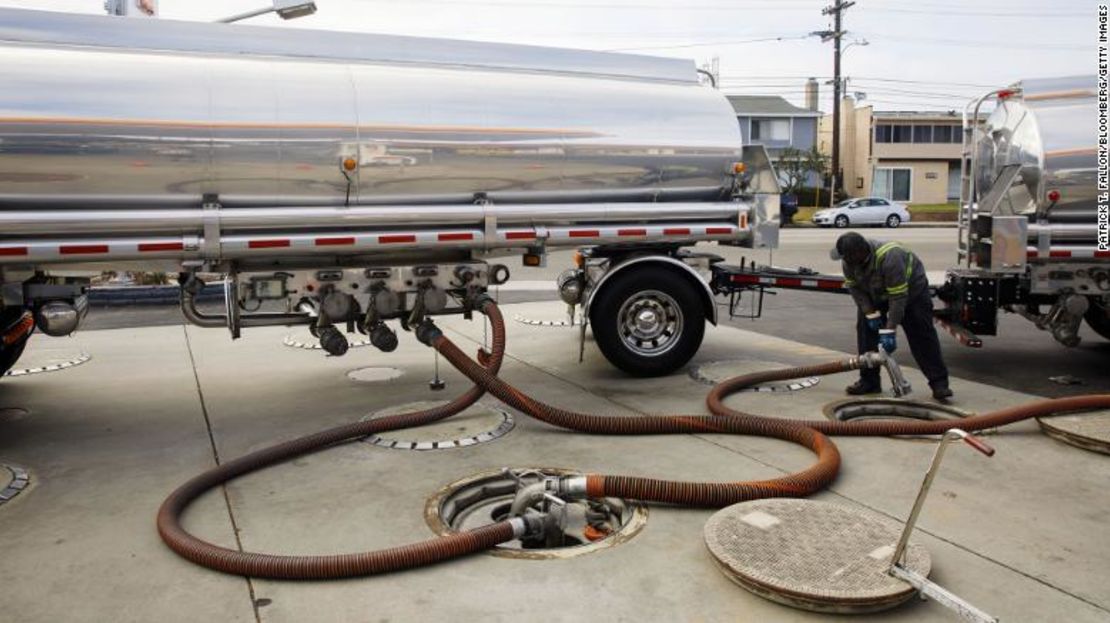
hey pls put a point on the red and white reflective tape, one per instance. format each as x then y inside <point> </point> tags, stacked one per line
<point>788,282</point>
<point>347,242</point>
<point>1065,253</point>
<point>97,250</point>
<point>635,233</point>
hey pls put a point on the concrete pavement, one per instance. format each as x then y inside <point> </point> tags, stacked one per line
<point>1020,535</point>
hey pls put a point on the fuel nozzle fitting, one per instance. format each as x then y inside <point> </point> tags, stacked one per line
<point>882,359</point>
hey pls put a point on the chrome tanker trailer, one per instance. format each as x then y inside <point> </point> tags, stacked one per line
<point>347,181</point>
<point>1031,238</point>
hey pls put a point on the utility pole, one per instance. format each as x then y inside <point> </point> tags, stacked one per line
<point>836,34</point>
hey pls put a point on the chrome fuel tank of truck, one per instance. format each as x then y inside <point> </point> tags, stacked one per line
<point>103,112</point>
<point>1043,132</point>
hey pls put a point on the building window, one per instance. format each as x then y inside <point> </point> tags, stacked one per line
<point>772,130</point>
<point>894,133</point>
<point>946,134</point>
<point>892,183</point>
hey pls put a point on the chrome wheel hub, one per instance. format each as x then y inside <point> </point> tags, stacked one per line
<point>650,322</point>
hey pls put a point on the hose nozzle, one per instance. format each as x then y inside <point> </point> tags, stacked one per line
<point>882,359</point>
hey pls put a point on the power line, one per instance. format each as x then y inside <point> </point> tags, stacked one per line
<point>710,43</point>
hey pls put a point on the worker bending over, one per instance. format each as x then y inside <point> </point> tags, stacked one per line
<point>890,288</point>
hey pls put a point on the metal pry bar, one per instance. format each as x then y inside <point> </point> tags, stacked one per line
<point>923,586</point>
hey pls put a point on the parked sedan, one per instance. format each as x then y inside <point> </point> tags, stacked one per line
<point>863,211</point>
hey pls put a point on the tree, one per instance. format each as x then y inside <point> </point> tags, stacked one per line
<point>795,167</point>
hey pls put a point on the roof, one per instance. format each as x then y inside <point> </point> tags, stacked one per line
<point>22,27</point>
<point>771,105</point>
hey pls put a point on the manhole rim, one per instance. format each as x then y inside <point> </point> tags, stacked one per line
<point>399,373</point>
<point>506,426</point>
<point>829,411</point>
<point>782,387</point>
<point>292,342</point>
<point>1072,438</point>
<point>81,358</point>
<point>10,492</point>
<point>637,520</point>
<point>832,602</point>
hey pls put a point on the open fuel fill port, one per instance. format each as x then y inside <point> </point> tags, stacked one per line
<point>572,524</point>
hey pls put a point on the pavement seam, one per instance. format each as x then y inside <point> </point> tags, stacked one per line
<point>216,458</point>
<point>699,437</point>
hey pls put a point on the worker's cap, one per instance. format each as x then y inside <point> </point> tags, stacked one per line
<point>850,245</point>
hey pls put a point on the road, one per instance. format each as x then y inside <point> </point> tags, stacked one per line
<point>1021,358</point>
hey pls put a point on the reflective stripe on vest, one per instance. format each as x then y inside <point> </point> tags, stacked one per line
<point>904,287</point>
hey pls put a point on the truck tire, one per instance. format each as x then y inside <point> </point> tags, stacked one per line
<point>1098,319</point>
<point>649,321</point>
<point>10,353</point>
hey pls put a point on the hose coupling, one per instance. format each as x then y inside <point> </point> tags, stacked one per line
<point>427,332</point>
<point>572,487</point>
<point>529,526</point>
<point>479,300</point>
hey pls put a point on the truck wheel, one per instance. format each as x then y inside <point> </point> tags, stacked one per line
<point>10,353</point>
<point>1098,319</point>
<point>648,321</point>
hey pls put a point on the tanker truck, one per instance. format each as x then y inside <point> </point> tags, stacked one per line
<point>1032,240</point>
<point>359,183</point>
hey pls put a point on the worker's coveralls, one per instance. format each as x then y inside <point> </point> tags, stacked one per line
<point>893,281</point>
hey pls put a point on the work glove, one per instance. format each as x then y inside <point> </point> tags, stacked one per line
<point>874,321</point>
<point>888,340</point>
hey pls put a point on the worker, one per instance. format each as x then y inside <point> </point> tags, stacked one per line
<point>890,288</point>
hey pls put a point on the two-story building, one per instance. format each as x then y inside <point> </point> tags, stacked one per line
<point>907,156</point>
<point>776,124</point>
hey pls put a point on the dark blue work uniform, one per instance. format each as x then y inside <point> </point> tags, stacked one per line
<point>893,281</point>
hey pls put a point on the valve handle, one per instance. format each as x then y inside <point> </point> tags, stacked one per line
<point>979,445</point>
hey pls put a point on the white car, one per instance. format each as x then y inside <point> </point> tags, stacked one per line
<point>863,211</point>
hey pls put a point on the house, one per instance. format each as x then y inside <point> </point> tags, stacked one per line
<point>775,123</point>
<point>908,156</point>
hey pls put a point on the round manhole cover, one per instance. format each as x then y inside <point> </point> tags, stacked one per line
<point>476,424</point>
<point>1089,430</point>
<point>375,374</point>
<point>13,481</point>
<point>307,342</point>
<point>533,322</point>
<point>47,361</point>
<point>719,371</point>
<point>578,527</point>
<point>812,555</point>
<point>12,414</point>
<point>852,409</point>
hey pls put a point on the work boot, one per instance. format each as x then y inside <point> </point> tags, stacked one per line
<point>941,393</point>
<point>861,387</point>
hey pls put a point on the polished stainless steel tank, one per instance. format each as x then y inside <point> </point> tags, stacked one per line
<point>1047,128</point>
<point>109,113</point>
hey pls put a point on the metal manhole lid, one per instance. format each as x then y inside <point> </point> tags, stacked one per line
<point>477,424</point>
<point>13,481</point>
<point>718,371</point>
<point>812,555</point>
<point>51,364</point>
<point>1089,430</point>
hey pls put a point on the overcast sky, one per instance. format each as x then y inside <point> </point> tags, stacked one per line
<point>922,54</point>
